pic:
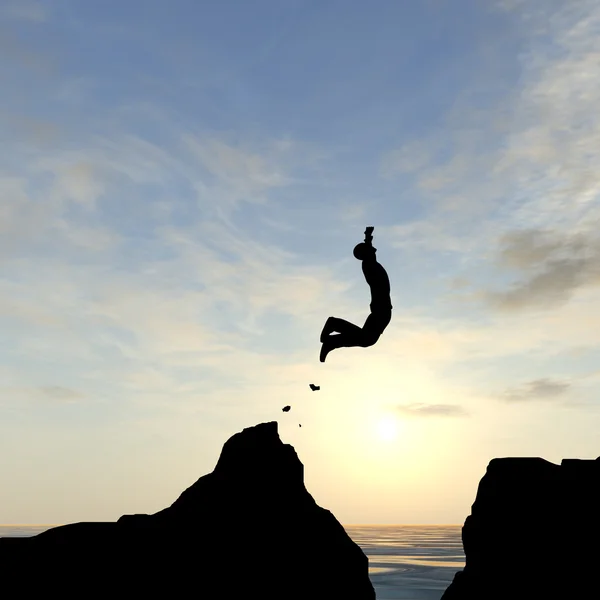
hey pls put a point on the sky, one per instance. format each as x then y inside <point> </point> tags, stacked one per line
<point>181,187</point>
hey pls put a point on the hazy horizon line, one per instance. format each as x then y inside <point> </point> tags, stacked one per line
<point>343,525</point>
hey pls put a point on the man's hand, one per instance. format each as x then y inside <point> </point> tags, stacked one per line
<point>369,235</point>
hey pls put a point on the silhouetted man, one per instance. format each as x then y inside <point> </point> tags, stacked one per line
<point>350,335</point>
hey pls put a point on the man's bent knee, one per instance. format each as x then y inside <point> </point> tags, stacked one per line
<point>369,339</point>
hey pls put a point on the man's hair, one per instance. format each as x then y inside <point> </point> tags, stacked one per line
<point>362,250</point>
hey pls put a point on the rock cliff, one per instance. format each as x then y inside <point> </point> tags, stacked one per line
<point>249,529</point>
<point>532,533</point>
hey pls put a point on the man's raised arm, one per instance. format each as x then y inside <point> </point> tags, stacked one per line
<point>369,236</point>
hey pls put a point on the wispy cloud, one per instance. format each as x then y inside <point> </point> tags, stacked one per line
<point>26,10</point>
<point>526,160</point>
<point>410,158</point>
<point>40,395</point>
<point>555,265</point>
<point>245,171</point>
<point>60,393</point>
<point>175,227</point>
<point>74,181</point>
<point>539,389</point>
<point>432,410</point>
<point>160,292</point>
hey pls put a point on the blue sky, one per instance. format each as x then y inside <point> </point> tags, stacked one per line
<point>181,187</point>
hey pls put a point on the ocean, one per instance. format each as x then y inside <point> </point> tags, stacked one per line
<point>406,562</point>
<point>410,562</point>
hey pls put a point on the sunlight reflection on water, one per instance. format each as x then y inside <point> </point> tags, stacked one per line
<point>410,562</point>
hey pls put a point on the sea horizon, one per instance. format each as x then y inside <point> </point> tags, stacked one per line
<point>343,524</point>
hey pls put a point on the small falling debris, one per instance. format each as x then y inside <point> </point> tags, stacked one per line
<point>286,408</point>
<point>314,387</point>
<point>299,425</point>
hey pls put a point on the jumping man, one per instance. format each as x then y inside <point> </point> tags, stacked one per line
<point>350,335</point>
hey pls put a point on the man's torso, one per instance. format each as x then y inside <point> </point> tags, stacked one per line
<point>379,282</point>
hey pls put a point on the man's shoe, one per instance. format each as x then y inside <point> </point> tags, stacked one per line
<point>325,350</point>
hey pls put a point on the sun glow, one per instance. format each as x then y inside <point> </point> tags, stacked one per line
<point>387,429</point>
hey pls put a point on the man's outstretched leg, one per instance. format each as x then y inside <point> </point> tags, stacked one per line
<point>349,335</point>
<point>328,345</point>
<point>333,324</point>
<point>327,329</point>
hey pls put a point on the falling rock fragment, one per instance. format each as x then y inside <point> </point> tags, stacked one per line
<point>286,408</point>
<point>314,387</point>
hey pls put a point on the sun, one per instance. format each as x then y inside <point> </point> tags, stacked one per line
<point>387,429</point>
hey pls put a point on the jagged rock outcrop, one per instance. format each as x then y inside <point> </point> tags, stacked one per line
<point>533,532</point>
<point>249,529</point>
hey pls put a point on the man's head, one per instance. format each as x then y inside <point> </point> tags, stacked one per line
<point>362,251</point>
